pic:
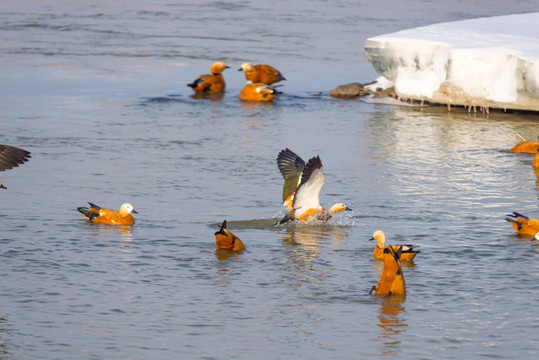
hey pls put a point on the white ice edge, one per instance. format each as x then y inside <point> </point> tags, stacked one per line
<point>490,62</point>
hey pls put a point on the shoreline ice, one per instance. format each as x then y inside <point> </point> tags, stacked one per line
<point>480,63</point>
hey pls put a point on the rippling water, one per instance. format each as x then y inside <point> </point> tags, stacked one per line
<point>96,91</point>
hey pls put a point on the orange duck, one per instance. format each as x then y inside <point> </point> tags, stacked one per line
<point>101,215</point>
<point>525,146</point>
<point>258,92</point>
<point>391,279</point>
<point>407,251</point>
<point>265,74</point>
<point>523,225</point>
<point>10,157</point>
<point>211,83</point>
<point>225,240</point>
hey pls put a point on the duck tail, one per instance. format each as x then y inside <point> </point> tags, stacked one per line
<point>222,229</point>
<point>87,213</point>
<point>195,83</point>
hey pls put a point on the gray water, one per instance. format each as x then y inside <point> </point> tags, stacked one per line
<point>96,91</point>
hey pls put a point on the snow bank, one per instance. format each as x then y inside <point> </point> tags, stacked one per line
<point>487,62</point>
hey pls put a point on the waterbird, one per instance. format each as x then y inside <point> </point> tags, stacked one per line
<point>262,73</point>
<point>258,92</point>
<point>391,279</point>
<point>407,250</point>
<point>523,224</point>
<point>101,215</point>
<point>213,82</point>
<point>10,157</point>
<point>226,240</point>
<point>306,203</point>
<point>526,146</point>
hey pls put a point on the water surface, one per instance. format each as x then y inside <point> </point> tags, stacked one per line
<point>96,91</point>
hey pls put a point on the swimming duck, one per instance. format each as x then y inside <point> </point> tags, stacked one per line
<point>213,82</point>
<point>258,92</point>
<point>265,74</point>
<point>101,215</point>
<point>526,146</point>
<point>407,251</point>
<point>225,240</point>
<point>523,225</point>
<point>306,203</point>
<point>10,157</point>
<point>391,279</point>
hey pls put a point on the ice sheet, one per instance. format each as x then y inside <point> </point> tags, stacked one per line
<point>487,62</point>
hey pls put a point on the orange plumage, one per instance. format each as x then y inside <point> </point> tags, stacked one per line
<point>101,215</point>
<point>535,162</point>
<point>529,147</point>
<point>258,92</point>
<point>265,74</point>
<point>211,83</point>
<point>225,240</point>
<point>523,225</point>
<point>391,279</point>
<point>408,251</point>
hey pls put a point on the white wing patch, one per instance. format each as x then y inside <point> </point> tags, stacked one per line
<point>308,194</point>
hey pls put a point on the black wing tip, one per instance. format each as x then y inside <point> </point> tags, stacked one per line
<point>12,156</point>
<point>87,213</point>
<point>221,229</point>
<point>289,162</point>
<point>92,205</point>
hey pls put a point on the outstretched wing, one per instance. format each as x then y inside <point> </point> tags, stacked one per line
<point>291,167</point>
<point>308,193</point>
<point>11,156</point>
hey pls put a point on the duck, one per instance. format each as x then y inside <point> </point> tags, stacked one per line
<point>529,147</point>
<point>391,279</point>
<point>211,83</point>
<point>101,215</point>
<point>258,92</point>
<point>262,73</point>
<point>10,157</point>
<point>407,251</point>
<point>523,224</point>
<point>525,146</point>
<point>306,202</point>
<point>226,240</point>
<point>291,167</point>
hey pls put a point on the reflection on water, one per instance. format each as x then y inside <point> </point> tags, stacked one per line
<point>211,97</point>
<point>392,322</point>
<point>4,343</point>
<point>105,231</point>
<point>221,254</point>
<point>305,245</point>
